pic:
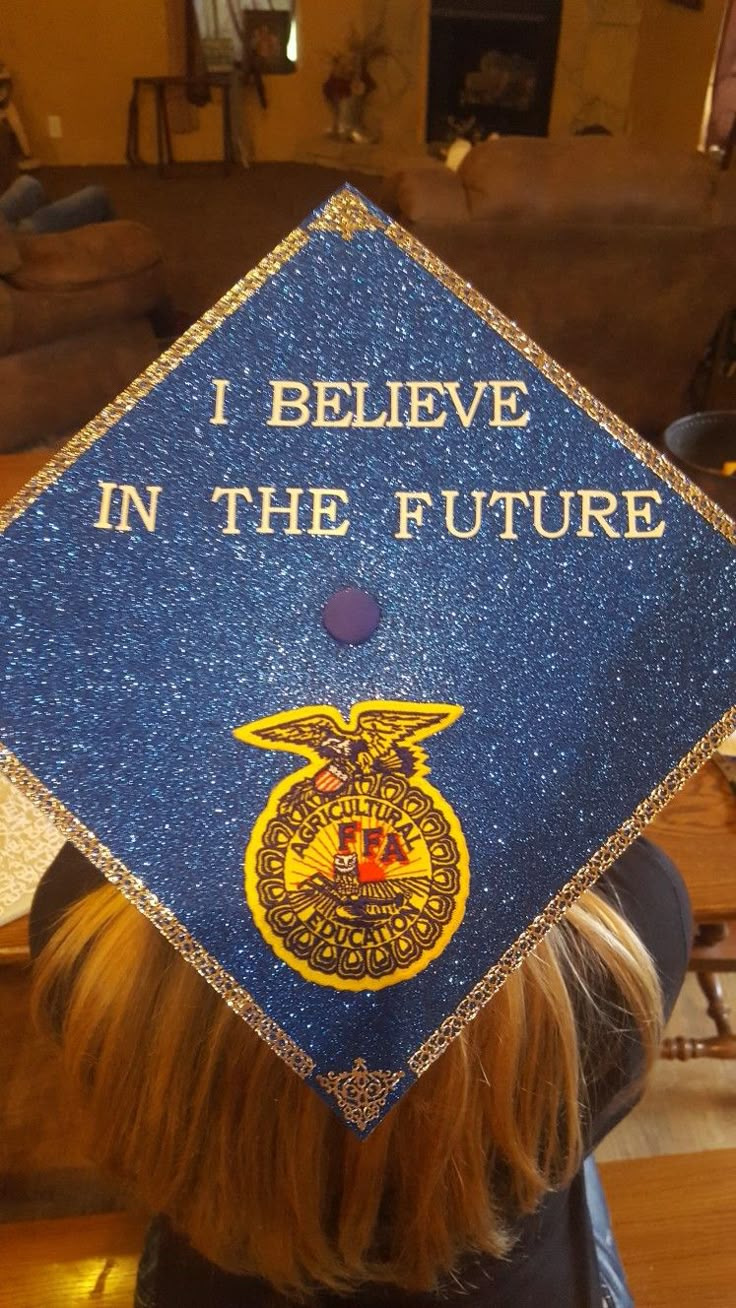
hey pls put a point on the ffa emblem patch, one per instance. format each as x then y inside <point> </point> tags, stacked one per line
<point>357,870</point>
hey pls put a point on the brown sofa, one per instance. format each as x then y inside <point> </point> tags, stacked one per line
<point>618,261</point>
<point>74,326</point>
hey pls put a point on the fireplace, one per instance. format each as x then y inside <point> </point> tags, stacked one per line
<point>491,66</point>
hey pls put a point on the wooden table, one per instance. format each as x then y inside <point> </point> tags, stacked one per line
<point>14,942</point>
<point>160,86</point>
<point>17,469</point>
<point>698,831</point>
<point>673,1222</point>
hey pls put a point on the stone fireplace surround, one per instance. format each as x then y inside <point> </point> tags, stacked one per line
<point>492,64</point>
<point>590,82</point>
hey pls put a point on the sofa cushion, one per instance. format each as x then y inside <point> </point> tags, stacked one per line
<point>583,179</point>
<point>47,315</point>
<point>56,388</point>
<point>629,311</point>
<point>85,256</point>
<point>430,194</point>
<point>9,253</point>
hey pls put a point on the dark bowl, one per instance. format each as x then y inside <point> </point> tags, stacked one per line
<point>706,441</point>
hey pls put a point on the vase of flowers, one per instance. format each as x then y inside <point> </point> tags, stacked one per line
<point>350,81</point>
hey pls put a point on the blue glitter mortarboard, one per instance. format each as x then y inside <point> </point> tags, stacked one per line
<point>353,642</point>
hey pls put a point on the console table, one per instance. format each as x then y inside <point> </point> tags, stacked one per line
<point>698,831</point>
<point>160,86</point>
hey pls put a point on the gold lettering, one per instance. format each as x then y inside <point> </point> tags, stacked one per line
<point>450,498</point>
<point>268,509</point>
<point>465,415</point>
<point>509,401</point>
<point>231,494</point>
<point>509,498</point>
<point>129,499</point>
<point>424,404</point>
<point>599,515</point>
<point>643,511</point>
<point>103,519</point>
<point>331,404</point>
<point>324,508</point>
<point>537,497</point>
<point>359,418</point>
<point>218,418</point>
<point>407,515</point>
<point>280,402</point>
<point>394,388</point>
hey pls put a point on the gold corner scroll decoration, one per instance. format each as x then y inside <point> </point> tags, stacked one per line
<point>642,450</point>
<point>346,214</point>
<point>161,367</point>
<point>582,880</point>
<point>164,920</point>
<point>360,1093</point>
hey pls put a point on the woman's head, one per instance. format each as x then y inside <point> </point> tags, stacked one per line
<point>187,1104</point>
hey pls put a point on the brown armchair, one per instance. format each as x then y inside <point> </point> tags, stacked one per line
<point>74,325</point>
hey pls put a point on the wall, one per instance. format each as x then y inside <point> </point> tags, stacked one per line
<point>640,66</point>
<point>596,58</point>
<point>77,58</point>
<point>297,111</point>
<point>676,51</point>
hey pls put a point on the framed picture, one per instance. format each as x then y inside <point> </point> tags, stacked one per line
<point>265,40</point>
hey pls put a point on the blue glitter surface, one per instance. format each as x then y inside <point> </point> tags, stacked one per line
<point>586,668</point>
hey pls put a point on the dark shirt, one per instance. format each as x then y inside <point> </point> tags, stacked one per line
<point>554,1260</point>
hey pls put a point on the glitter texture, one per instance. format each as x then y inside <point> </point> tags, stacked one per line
<point>595,673</point>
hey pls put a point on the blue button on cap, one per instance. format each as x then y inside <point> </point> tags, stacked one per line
<point>351,615</point>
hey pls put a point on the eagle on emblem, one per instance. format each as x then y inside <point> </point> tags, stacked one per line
<point>379,738</point>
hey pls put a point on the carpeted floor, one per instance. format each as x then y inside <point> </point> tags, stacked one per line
<point>212,228</point>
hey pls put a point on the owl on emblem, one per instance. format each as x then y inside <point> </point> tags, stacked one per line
<point>356,871</point>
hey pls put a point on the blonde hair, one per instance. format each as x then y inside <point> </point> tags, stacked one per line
<point>186,1103</point>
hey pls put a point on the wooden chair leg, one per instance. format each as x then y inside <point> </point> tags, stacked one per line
<point>722,1045</point>
<point>169,153</point>
<point>718,1010</point>
<point>132,147</point>
<point>159,93</point>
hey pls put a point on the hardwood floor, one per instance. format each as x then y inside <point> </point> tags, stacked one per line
<point>44,1171</point>
<point>673,1222</point>
<point>70,1262</point>
<point>62,1244</point>
<point>688,1107</point>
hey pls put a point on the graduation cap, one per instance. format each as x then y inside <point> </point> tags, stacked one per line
<point>353,642</point>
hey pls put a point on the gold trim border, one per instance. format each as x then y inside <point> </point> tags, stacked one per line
<point>156,372</point>
<point>582,880</point>
<point>343,217</point>
<point>653,459</point>
<point>236,997</point>
<point>360,1093</point>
